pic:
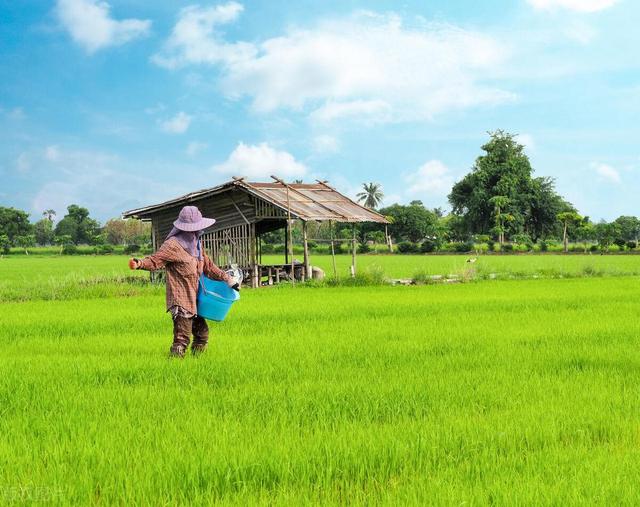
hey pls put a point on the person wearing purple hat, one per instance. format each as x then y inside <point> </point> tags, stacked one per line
<point>184,260</point>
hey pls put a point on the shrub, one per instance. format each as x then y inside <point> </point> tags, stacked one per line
<point>428,246</point>
<point>507,247</point>
<point>105,249</point>
<point>543,246</point>
<point>129,249</point>
<point>614,248</point>
<point>620,243</point>
<point>69,249</point>
<point>632,245</point>
<point>464,247</point>
<point>408,247</point>
<point>364,248</point>
<point>594,248</point>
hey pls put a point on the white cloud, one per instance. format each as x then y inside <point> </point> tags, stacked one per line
<point>366,65</point>
<point>325,144</point>
<point>194,38</point>
<point>195,147</point>
<point>606,172</point>
<point>370,111</point>
<point>260,161</point>
<point>433,177</point>
<point>176,125</point>
<point>90,24</point>
<point>573,5</point>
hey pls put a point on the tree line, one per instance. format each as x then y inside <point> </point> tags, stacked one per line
<point>75,228</point>
<point>499,201</point>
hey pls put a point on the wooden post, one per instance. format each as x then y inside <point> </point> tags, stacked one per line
<point>353,252</point>
<point>255,279</point>
<point>307,267</point>
<point>388,239</point>
<point>333,251</point>
<point>286,243</point>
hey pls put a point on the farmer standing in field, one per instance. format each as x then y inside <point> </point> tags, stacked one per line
<point>184,260</point>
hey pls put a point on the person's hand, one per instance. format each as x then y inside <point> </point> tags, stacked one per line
<point>134,263</point>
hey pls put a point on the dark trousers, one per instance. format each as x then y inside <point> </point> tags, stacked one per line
<point>184,327</point>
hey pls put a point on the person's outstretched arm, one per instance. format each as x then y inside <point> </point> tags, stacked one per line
<point>158,260</point>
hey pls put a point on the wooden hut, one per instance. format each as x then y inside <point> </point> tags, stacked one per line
<point>245,210</point>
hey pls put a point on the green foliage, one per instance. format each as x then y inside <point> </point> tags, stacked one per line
<point>5,244</point>
<point>371,195</point>
<point>501,197</point>
<point>14,223</point>
<point>43,232</point>
<point>69,249</point>
<point>407,247</point>
<point>411,223</point>
<point>77,225</point>
<point>428,246</point>
<point>129,249</point>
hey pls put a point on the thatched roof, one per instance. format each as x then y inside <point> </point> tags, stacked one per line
<point>305,201</point>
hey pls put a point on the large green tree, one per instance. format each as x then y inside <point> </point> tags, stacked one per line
<point>413,222</point>
<point>14,223</point>
<point>78,225</point>
<point>628,227</point>
<point>43,231</point>
<point>504,171</point>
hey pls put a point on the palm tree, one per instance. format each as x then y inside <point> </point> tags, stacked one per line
<point>49,214</point>
<point>371,195</point>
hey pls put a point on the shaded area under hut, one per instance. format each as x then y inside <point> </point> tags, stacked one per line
<point>244,211</point>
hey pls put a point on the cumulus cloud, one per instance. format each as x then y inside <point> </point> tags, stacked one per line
<point>260,161</point>
<point>194,38</point>
<point>433,177</point>
<point>606,172</point>
<point>573,5</point>
<point>366,65</point>
<point>176,125</point>
<point>90,24</point>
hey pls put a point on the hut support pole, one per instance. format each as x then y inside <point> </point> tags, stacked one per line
<point>353,251</point>
<point>307,267</point>
<point>388,239</point>
<point>333,251</point>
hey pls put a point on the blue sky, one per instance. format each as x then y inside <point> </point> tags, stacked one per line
<point>126,103</point>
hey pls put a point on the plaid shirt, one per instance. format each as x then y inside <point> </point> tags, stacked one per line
<point>183,271</point>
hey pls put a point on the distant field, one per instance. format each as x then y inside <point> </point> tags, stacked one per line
<point>54,274</point>
<point>520,392</point>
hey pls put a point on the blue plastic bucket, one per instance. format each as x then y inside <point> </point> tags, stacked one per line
<point>215,299</point>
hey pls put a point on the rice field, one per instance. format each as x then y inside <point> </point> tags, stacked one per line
<point>494,392</point>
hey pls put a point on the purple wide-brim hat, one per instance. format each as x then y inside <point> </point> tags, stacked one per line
<point>190,219</point>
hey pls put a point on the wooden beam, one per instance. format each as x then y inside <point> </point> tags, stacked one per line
<point>307,267</point>
<point>333,252</point>
<point>353,252</point>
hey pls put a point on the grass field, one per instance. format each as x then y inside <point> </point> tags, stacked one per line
<point>494,392</point>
